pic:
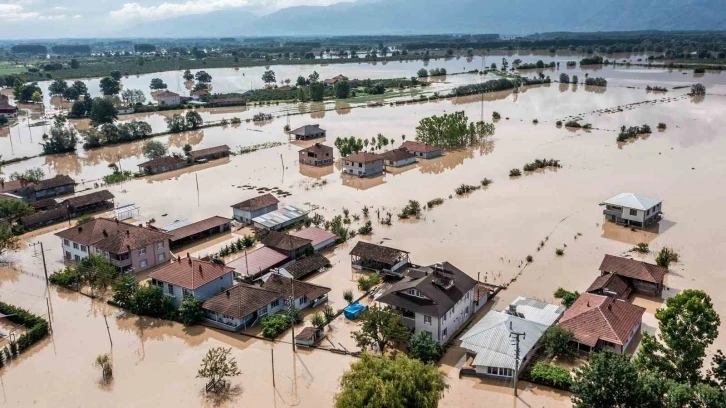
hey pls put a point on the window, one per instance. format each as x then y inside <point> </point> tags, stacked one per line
<point>427,319</point>
<point>75,245</point>
<point>160,246</point>
<point>77,258</point>
<point>444,333</point>
<point>633,212</point>
<point>263,311</point>
<point>161,257</point>
<point>170,288</point>
<point>275,303</point>
<point>68,255</point>
<point>142,251</point>
<point>303,300</point>
<point>143,263</point>
<point>444,318</point>
<point>360,164</point>
<point>66,242</point>
<point>185,292</point>
<point>83,248</point>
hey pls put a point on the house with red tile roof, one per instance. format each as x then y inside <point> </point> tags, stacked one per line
<point>643,277</point>
<point>363,164</point>
<point>602,323</point>
<point>254,207</point>
<point>192,277</point>
<point>129,247</point>
<point>422,150</point>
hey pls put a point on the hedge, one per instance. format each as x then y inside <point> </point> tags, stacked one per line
<point>550,375</point>
<point>37,328</point>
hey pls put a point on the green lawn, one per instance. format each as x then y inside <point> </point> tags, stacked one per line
<point>7,69</point>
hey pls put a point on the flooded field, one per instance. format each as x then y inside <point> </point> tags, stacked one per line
<point>487,233</point>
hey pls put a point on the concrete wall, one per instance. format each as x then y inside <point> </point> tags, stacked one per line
<point>456,316</point>
<point>151,255</point>
<point>75,254</point>
<point>318,160</point>
<point>202,293</point>
<point>247,216</point>
<point>361,169</point>
<point>400,163</point>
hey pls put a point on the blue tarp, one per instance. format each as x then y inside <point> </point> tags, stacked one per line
<point>353,311</point>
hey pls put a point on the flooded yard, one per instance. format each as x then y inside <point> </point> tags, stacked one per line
<point>487,233</point>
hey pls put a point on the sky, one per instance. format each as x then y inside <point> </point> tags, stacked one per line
<point>63,18</point>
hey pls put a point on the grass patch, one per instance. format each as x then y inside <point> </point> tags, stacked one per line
<point>117,177</point>
<point>515,173</point>
<point>465,189</point>
<point>486,182</point>
<point>641,248</point>
<point>541,164</point>
<point>433,203</point>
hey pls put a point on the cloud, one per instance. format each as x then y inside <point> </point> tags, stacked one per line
<point>12,13</point>
<point>167,10</point>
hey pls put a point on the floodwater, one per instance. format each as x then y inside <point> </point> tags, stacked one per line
<point>487,233</point>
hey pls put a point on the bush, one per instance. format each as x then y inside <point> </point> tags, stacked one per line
<point>433,203</point>
<point>550,375</point>
<point>529,259</point>
<point>515,173</point>
<point>556,342</point>
<point>465,189</point>
<point>541,164</point>
<point>558,123</point>
<point>661,126</point>
<point>566,297</point>
<point>366,229</point>
<point>151,301</point>
<point>572,124</point>
<point>496,115</point>
<point>486,182</point>
<point>67,277</point>
<point>412,209</point>
<point>190,310</point>
<point>37,327</point>
<point>641,248</point>
<point>367,283</point>
<point>424,348</point>
<point>559,251</point>
<point>348,296</point>
<point>666,256</point>
<point>274,325</point>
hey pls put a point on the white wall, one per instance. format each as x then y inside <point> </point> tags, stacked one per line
<point>74,252</point>
<point>457,316</point>
<point>640,217</point>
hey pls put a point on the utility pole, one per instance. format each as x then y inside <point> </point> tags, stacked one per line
<point>272,351</point>
<point>47,289</point>
<point>292,304</point>
<point>516,355</point>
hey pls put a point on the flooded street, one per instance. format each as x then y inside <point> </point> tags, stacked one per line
<point>487,234</point>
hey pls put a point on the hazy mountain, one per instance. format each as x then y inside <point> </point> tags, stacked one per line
<point>459,16</point>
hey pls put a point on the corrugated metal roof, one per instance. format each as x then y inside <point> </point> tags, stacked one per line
<point>632,200</point>
<point>537,311</point>
<point>490,339</point>
<point>281,216</point>
<point>176,225</point>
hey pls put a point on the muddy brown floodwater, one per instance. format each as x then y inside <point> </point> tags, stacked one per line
<point>488,234</point>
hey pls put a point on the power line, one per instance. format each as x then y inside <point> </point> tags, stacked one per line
<point>516,355</point>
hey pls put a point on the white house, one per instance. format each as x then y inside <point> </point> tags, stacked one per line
<point>254,207</point>
<point>363,164</point>
<point>436,299</point>
<point>632,209</point>
<point>194,277</point>
<point>166,97</point>
<point>243,305</point>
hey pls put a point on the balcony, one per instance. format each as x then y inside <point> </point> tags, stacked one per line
<point>616,213</point>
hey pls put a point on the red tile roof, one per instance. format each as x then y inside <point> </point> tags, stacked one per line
<point>633,269</point>
<point>364,157</point>
<point>190,273</point>
<point>258,261</point>
<point>596,317</point>
<point>319,149</point>
<point>284,242</point>
<point>610,283</point>
<point>240,300</point>
<point>257,203</point>
<point>284,286</point>
<point>398,154</point>
<point>316,235</point>
<point>419,147</point>
<point>113,236</point>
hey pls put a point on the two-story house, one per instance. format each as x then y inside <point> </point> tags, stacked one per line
<point>39,190</point>
<point>316,155</point>
<point>363,164</point>
<point>435,299</point>
<point>192,277</point>
<point>129,247</point>
<point>632,209</point>
<point>254,207</point>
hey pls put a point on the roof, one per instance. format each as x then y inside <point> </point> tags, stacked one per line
<point>162,161</point>
<point>632,200</point>
<point>112,236</point>
<point>257,203</point>
<point>307,265</point>
<point>209,151</point>
<point>318,149</point>
<point>258,261</point>
<point>240,300</point>
<point>316,235</point>
<point>89,199</point>
<point>55,214</point>
<point>285,286</point>
<point>40,204</point>
<point>633,269</point>
<point>596,317</point>
<point>197,227</point>
<point>284,242</point>
<point>307,333</point>
<point>13,185</point>
<point>536,311</point>
<point>439,300</point>
<point>164,93</point>
<point>419,147</point>
<point>397,154</point>
<point>364,157</point>
<point>610,283</point>
<point>57,181</point>
<point>280,216</point>
<point>490,339</point>
<point>190,273</point>
<point>377,253</point>
<point>307,130</point>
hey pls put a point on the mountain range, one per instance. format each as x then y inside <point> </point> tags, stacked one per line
<point>452,16</point>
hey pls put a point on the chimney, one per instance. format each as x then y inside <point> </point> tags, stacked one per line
<point>510,325</point>
<point>200,270</point>
<point>588,303</point>
<point>442,277</point>
<point>81,229</point>
<point>105,234</point>
<point>178,259</point>
<point>610,307</point>
<point>128,233</point>
<point>189,259</point>
<point>227,292</point>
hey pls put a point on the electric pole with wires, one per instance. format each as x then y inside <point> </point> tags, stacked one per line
<point>516,336</point>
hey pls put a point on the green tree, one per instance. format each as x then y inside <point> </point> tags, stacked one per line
<point>314,77</point>
<point>302,94</point>
<point>188,76</point>
<point>157,83</point>
<point>688,325</point>
<point>216,366</point>
<point>80,87</point>
<point>124,288</point>
<point>566,297</point>
<point>301,81</point>
<point>190,310</point>
<point>176,123</point>
<point>193,119</point>
<point>607,381</point>
<point>63,138</point>
<point>37,97</point>
<point>400,381</point>
<point>110,86</point>
<point>318,320</point>
<point>97,271</point>
<point>717,373</point>
<point>153,149</point>
<point>8,240</point>
<point>115,75</point>
<point>451,130</point>
<point>132,97</point>
<point>268,76</point>
<point>151,301</point>
<point>317,91</point>
<point>57,87</point>
<point>380,329</point>
<point>84,219</point>
<point>422,73</point>
<point>102,111</point>
<point>564,78</point>
<point>556,342</point>
<point>342,89</point>
<point>423,347</point>
<point>74,63</point>
<point>203,76</point>
<point>78,110</point>
<point>698,89</point>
